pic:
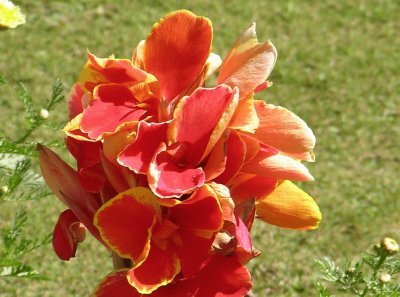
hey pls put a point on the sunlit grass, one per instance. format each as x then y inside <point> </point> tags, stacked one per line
<point>338,68</point>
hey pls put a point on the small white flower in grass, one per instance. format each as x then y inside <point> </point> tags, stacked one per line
<point>10,15</point>
<point>390,246</point>
<point>44,113</point>
<point>4,189</point>
<point>384,277</point>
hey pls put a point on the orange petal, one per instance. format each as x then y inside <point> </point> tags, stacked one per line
<point>278,167</point>
<point>289,207</point>
<point>248,63</point>
<point>125,222</point>
<point>115,143</point>
<point>245,117</point>
<point>216,161</point>
<point>176,50</point>
<point>247,186</point>
<point>282,129</point>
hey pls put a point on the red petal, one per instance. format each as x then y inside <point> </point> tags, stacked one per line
<point>235,156</point>
<point>75,101</point>
<point>125,222</point>
<point>220,277</point>
<point>116,285</point>
<point>200,212</point>
<point>138,155</point>
<point>109,70</point>
<point>159,269</point>
<point>113,105</point>
<point>167,179</point>
<point>67,233</point>
<point>190,126</point>
<point>176,51</point>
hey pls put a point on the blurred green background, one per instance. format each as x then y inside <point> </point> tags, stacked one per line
<point>338,69</point>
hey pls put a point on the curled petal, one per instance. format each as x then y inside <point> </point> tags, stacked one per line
<point>98,71</point>
<point>168,179</point>
<point>126,221</point>
<point>248,63</point>
<point>159,269</point>
<point>289,207</point>
<point>67,233</point>
<point>176,51</point>
<point>138,155</point>
<point>283,129</point>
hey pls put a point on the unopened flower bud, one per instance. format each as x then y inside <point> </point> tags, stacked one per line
<point>44,113</point>
<point>390,246</point>
<point>384,277</point>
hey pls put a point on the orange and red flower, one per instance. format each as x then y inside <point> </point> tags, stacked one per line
<point>170,173</point>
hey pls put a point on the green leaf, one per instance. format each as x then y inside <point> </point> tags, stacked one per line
<point>2,81</point>
<point>22,270</point>
<point>57,94</point>
<point>9,147</point>
<point>32,118</point>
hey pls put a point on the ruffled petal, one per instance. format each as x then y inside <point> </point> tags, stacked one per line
<point>112,99</point>
<point>138,155</point>
<point>289,207</point>
<point>98,71</point>
<point>168,179</point>
<point>176,51</point>
<point>126,221</point>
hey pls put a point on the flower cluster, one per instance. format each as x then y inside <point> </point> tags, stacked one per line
<point>171,174</point>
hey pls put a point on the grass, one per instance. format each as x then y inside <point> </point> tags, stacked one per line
<point>338,68</point>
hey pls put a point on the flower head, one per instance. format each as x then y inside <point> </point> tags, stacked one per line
<point>10,15</point>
